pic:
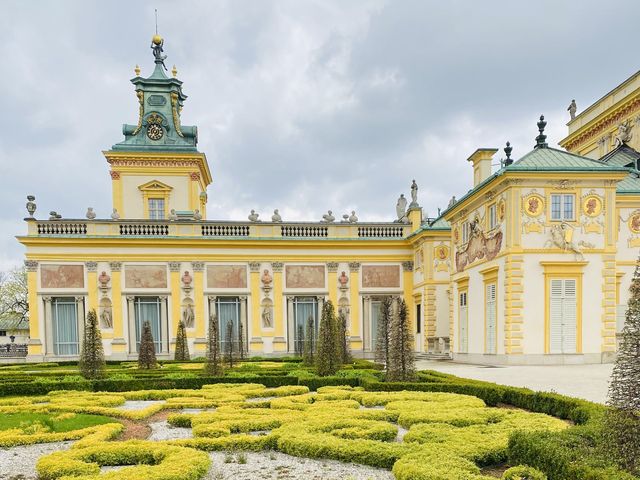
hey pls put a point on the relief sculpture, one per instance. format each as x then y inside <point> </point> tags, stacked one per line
<point>305,276</point>
<point>227,276</point>
<point>479,246</point>
<point>62,276</point>
<point>381,276</point>
<point>145,276</point>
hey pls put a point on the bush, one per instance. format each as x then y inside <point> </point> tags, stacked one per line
<point>150,460</point>
<point>92,364</point>
<point>327,361</point>
<point>147,350</point>
<point>523,472</point>
<point>182,349</point>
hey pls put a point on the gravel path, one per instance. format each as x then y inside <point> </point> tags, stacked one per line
<point>164,431</point>
<point>18,461</point>
<point>278,466</point>
<point>138,404</point>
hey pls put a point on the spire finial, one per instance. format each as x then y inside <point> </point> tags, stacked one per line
<point>174,71</point>
<point>541,138</point>
<point>137,70</point>
<point>507,151</point>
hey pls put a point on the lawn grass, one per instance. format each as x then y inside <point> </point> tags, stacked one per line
<point>55,422</point>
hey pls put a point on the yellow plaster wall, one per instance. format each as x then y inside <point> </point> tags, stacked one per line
<point>34,314</point>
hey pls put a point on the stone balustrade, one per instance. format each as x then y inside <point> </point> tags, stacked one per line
<point>213,229</point>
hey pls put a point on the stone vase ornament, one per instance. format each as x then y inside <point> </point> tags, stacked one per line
<point>31,205</point>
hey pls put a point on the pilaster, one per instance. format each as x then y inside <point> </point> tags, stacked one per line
<point>513,303</point>
<point>332,278</point>
<point>176,297</point>
<point>35,336</point>
<point>200,344</point>
<point>118,344</point>
<point>609,301</point>
<point>356,316</point>
<point>279,342</point>
<point>255,332</point>
<point>92,286</point>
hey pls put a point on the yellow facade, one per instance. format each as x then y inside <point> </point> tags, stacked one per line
<point>549,215</point>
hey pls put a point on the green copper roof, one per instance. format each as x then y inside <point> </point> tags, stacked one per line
<point>160,101</point>
<point>630,184</point>
<point>12,321</point>
<point>551,159</point>
<point>623,156</point>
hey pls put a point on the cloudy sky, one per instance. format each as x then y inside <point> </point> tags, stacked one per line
<point>301,105</point>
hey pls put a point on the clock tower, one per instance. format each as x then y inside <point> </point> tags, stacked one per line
<point>157,167</point>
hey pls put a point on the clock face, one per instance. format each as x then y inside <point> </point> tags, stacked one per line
<point>154,131</point>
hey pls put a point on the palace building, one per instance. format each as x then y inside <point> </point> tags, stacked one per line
<point>532,265</point>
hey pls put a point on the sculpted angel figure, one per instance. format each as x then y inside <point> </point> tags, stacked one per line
<point>624,134</point>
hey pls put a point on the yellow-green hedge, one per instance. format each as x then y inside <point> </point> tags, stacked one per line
<point>148,460</point>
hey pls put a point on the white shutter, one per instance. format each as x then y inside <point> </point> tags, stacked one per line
<point>569,317</point>
<point>490,318</point>
<point>464,326</point>
<point>563,316</point>
<point>555,316</point>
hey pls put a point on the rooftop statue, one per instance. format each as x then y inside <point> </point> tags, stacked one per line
<point>572,109</point>
<point>173,216</point>
<point>401,208</point>
<point>414,194</point>
<point>197,216</point>
<point>157,42</point>
<point>328,217</point>
<point>276,218</point>
<point>90,213</point>
<point>253,216</point>
<point>31,205</point>
<point>115,215</point>
<point>624,134</point>
<point>353,218</point>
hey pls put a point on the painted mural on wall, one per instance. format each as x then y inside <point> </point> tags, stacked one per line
<point>478,247</point>
<point>226,276</point>
<point>145,276</point>
<point>304,276</point>
<point>62,276</point>
<point>441,258</point>
<point>381,276</point>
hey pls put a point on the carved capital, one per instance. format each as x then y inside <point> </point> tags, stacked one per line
<point>195,176</point>
<point>174,266</point>
<point>243,298</point>
<point>354,266</point>
<point>332,266</point>
<point>79,299</point>
<point>31,265</point>
<point>254,266</point>
<point>198,266</point>
<point>114,175</point>
<point>407,266</point>
<point>46,299</point>
<point>212,298</point>
<point>91,266</point>
<point>130,298</point>
<point>115,266</point>
<point>277,266</point>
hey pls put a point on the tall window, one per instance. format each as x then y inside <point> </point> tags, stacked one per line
<point>464,323</point>
<point>229,319</point>
<point>466,229</point>
<point>493,217</point>
<point>562,206</point>
<point>64,317</point>
<point>156,208</point>
<point>490,318</point>
<point>418,318</point>
<point>305,312</point>
<point>147,309</point>
<point>563,312</point>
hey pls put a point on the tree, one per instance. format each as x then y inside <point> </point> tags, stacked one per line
<point>147,353</point>
<point>240,341</point>
<point>309,342</point>
<point>13,293</point>
<point>299,343</point>
<point>382,340</point>
<point>401,366</point>
<point>228,345</point>
<point>213,365</point>
<point>622,419</point>
<point>92,364</point>
<point>182,349</point>
<point>327,362</point>
<point>344,350</point>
